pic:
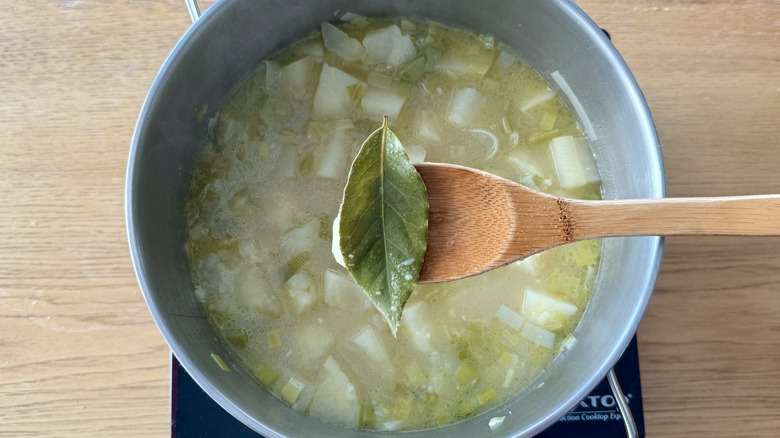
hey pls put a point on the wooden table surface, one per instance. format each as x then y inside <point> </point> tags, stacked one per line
<point>81,356</point>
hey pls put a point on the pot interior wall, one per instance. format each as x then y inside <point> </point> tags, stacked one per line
<point>234,36</point>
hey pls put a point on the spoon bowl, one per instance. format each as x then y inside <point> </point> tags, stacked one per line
<point>478,221</point>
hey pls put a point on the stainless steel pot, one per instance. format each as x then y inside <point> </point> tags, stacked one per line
<point>554,36</point>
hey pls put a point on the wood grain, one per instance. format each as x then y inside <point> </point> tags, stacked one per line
<point>81,354</point>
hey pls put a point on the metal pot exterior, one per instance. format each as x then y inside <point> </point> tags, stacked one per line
<point>225,45</point>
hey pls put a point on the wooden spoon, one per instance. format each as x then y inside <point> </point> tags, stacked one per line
<point>478,221</point>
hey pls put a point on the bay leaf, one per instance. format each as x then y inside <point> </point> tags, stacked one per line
<point>383,225</point>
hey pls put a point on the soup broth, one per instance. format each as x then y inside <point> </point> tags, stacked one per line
<point>268,186</point>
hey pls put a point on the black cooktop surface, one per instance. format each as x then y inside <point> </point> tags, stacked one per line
<point>195,414</point>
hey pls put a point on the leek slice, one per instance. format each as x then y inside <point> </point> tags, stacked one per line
<point>274,340</point>
<point>431,400</point>
<point>414,69</point>
<point>299,240</point>
<point>544,137</point>
<point>467,374</point>
<point>536,100</point>
<point>414,374</point>
<point>510,318</point>
<point>295,264</point>
<point>325,230</point>
<point>538,335</point>
<point>221,363</point>
<point>510,375</point>
<point>367,416</point>
<point>402,408</point>
<point>548,120</point>
<point>291,390</point>
<point>485,395</point>
<point>266,374</point>
<point>536,303</point>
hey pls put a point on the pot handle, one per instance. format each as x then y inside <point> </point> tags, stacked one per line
<point>193,9</point>
<point>625,411</point>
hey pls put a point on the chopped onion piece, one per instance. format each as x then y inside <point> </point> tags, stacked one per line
<point>389,45</point>
<point>302,291</point>
<point>378,102</point>
<point>506,59</point>
<point>255,292</point>
<point>338,42</point>
<point>340,291</point>
<point>335,400</point>
<point>298,75</point>
<point>509,317</point>
<point>416,326</point>
<point>416,153</point>
<point>379,80</point>
<point>466,104</point>
<point>332,99</point>
<point>333,164</point>
<point>286,163</point>
<point>538,335</point>
<point>426,128</point>
<point>367,341</point>
<point>536,303</point>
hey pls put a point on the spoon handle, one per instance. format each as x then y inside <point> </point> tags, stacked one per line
<point>731,215</point>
